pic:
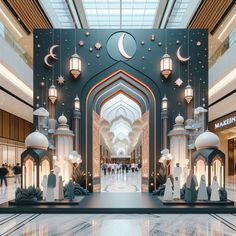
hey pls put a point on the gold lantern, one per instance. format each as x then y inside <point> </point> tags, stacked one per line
<point>164,104</point>
<point>52,93</point>
<point>75,65</point>
<point>166,65</point>
<point>188,93</point>
<point>77,103</point>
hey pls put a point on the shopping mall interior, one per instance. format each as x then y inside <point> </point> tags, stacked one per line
<point>117,117</point>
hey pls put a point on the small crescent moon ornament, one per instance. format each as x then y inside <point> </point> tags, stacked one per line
<point>121,47</point>
<point>53,55</point>
<point>46,60</point>
<point>183,59</point>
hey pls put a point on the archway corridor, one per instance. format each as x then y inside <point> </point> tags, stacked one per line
<point>120,144</point>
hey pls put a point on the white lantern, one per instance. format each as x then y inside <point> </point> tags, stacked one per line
<point>166,65</point>
<point>164,104</point>
<point>52,93</point>
<point>188,93</point>
<point>77,103</point>
<point>75,65</point>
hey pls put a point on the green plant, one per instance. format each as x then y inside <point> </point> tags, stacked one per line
<point>78,190</point>
<point>31,193</point>
<point>79,176</point>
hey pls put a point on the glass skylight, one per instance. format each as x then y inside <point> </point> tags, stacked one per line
<point>178,13</point>
<point>58,12</point>
<point>120,13</point>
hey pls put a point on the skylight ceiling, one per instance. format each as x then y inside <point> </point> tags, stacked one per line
<point>59,13</point>
<point>178,13</point>
<point>120,13</point>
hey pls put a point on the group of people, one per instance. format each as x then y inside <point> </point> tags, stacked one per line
<point>191,193</point>
<point>112,168</point>
<point>4,171</point>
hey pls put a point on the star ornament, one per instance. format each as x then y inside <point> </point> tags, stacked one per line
<point>98,45</point>
<point>61,80</point>
<point>179,82</point>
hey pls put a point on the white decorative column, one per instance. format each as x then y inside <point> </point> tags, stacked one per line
<point>64,146</point>
<point>178,145</point>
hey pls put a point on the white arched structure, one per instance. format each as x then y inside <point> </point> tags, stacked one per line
<point>120,118</point>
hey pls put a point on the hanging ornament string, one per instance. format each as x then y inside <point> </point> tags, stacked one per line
<point>53,65</point>
<point>179,69</point>
<point>166,41</point>
<point>120,14</point>
<point>75,40</point>
<point>60,79</point>
<point>60,53</point>
<point>188,56</point>
<point>194,90</point>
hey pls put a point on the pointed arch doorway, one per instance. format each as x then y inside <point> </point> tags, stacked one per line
<point>121,130</point>
<point>138,90</point>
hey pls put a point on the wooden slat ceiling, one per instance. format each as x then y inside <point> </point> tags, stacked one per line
<point>209,14</point>
<point>30,14</point>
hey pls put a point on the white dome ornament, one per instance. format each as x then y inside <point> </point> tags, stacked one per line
<point>179,120</point>
<point>62,120</point>
<point>36,140</point>
<point>207,140</point>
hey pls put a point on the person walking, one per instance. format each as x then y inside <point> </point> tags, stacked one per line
<point>17,172</point>
<point>3,174</point>
<point>104,167</point>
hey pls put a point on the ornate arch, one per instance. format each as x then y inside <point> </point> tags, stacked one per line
<point>93,94</point>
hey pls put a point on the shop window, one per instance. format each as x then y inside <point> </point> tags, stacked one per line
<point>231,157</point>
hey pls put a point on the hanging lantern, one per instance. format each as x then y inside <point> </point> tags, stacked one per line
<point>77,103</point>
<point>52,93</point>
<point>164,104</point>
<point>166,65</point>
<point>75,65</point>
<point>188,93</point>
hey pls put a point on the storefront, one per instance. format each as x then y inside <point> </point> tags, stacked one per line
<point>225,128</point>
<point>13,131</point>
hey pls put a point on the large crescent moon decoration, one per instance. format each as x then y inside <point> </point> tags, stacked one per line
<point>51,54</point>
<point>181,58</point>
<point>121,47</point>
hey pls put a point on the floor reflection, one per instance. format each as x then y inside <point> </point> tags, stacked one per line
<point>121,182</point>
<point>118,225</point>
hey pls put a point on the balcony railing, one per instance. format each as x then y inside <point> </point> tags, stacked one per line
<point>228,42</point>
<point>9,38</point>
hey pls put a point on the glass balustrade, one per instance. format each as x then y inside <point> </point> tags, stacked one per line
<point>228,43</point>
<point>9,38</point>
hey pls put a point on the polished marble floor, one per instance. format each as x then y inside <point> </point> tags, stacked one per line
<point>121,182</point>
<point>117,225</point>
